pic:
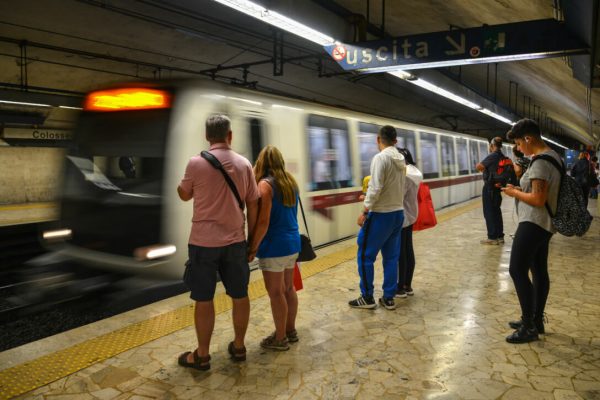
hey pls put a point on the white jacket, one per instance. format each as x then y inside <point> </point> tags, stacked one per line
<point>414,177</point>
<point>386,187</point>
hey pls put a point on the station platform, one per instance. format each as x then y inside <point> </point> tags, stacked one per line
<point>445,342</point>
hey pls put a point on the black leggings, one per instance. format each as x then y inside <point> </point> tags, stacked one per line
<point>530,252</point>
<point>406,263</point>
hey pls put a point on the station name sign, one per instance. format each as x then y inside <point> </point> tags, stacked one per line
<point>489,43</point>
<point>36,134</point>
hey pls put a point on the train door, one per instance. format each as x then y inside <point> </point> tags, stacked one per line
<point>330,179</point>
<point>249,134</point>
<point>448,168</point>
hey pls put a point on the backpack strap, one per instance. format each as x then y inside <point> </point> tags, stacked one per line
<point>560,167</point>
<point>217,165</point>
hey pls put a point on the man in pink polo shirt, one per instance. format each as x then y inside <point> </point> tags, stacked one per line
<point>218,241</point>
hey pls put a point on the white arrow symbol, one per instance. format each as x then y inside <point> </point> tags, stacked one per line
<point>458,48</point>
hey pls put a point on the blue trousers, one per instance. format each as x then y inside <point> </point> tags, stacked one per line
<point>381,231</point>
<point>492,200</point>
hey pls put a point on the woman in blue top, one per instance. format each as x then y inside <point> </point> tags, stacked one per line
<point>276,242</point>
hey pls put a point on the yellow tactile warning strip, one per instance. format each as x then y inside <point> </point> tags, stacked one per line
<point>27,206</point>
<point>42,371</point>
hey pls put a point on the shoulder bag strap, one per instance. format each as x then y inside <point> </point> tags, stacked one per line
<point>217,164</point>
<point>303,216</point>
<point>560,167</point>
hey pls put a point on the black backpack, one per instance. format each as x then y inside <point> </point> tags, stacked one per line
<point>503,173</point>
<point>571,217</point>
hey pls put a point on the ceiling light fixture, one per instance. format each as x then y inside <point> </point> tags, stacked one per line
<point>553,142</point>
<point>280,21</point>
<point>23,103</point>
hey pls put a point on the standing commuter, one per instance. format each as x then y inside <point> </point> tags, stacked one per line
<point>406,262</point>
<point>539,185</point>
<point>491,195</point>
<point>381,222</point>
<point>276,243</point>
<point>581,172</point>
<point>217,240</point>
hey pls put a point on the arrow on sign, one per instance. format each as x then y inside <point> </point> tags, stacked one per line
<point>458,48</point>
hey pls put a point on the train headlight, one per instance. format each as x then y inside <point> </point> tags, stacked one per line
<point>154,251</point>
<point>57,235</point>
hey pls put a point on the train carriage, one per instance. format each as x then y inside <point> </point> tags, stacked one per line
<point>119,206</point>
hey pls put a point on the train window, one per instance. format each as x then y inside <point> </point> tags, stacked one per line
<point>256,137</point>
<point>448,158</point>
<point>463,156</point>
<point>474,152</point>
<point>483,150</point>
<point>329,144</point>
<point>406,139</point>
<point>367,142</point>
<point>429,155</point>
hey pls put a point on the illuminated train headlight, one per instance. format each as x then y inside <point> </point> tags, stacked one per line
<point>154,251</point>
<point>57,235</point>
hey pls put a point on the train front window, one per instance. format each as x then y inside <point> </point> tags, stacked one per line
<point>330,164</point>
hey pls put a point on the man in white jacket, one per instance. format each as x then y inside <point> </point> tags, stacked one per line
<point>381,222</point>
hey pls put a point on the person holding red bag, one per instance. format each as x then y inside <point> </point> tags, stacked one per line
<point>406,261</point>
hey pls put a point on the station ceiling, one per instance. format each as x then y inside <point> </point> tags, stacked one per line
<point>64,48</point>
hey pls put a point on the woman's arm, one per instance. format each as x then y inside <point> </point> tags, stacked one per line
<point>264,215</point>
<point>537,197</point>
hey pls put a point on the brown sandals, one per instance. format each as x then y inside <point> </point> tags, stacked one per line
<point>200,363</point>
<point>237,354</point>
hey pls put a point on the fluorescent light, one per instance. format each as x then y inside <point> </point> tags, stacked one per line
<point>400,74</point>
<point>463,61</point>
<point>57,234</point>
<point>497,116</point>
<point>71,108</point>
<point>256,103</point>
<point>553,142</point>
<point>280,21</point>
<point>22,103</point>
<point>287,107</point>
<point>443,92</point>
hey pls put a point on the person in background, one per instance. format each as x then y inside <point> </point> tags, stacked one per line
<point>521,162</point>
<point>539,185</point>
<point>218,240</point>
<point>581,173</point>
<point>276,243</point>
<point>381,222</point>
<point>406,262</point>
<point>594,179</point>
<point>491,195</point>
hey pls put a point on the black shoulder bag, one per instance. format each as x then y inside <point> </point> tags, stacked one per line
<point>307,253</point>
<point>217,164</point>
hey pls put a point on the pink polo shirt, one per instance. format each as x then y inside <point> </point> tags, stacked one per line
<point>218,220</point>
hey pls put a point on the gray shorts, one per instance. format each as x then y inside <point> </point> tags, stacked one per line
<point>277,264</point>
<point>231,262</point>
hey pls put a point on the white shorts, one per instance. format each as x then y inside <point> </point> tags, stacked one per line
<point>277,264</point>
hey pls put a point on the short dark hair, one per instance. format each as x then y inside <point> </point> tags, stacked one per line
<point>407,156</point>
<point>524,127</point>
<point>496,142</point>
<point>217,127</point>
<point>388,134</point>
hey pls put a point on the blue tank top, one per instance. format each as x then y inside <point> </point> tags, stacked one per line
<point>282,237</point>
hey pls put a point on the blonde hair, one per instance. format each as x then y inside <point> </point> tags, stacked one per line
<point>270,163</point>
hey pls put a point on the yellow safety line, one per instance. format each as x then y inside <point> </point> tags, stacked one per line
<point>27,206</point>
<point>31,375</point>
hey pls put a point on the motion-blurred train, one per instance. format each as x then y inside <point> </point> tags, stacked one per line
<point>119,205</point>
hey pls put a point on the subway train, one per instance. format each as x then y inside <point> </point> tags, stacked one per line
<point>119,205</point>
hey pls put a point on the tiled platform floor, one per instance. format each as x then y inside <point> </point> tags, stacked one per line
<point>446,342</point>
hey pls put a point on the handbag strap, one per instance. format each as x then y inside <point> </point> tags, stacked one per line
<point>303,216</point>
<point>217,164</point>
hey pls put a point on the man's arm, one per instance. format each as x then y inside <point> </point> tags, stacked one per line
<point>183,195</point>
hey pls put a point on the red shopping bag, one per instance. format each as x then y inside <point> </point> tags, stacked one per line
<point>426,218</point>
<point>297,278</point>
